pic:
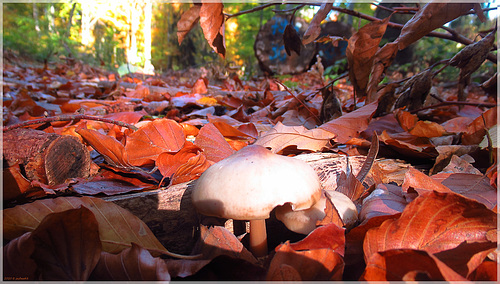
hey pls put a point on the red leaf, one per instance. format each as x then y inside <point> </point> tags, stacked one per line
<point>214,146</point>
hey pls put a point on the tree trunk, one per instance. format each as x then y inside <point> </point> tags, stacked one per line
<point>46,157</point>
<point>148,13</point>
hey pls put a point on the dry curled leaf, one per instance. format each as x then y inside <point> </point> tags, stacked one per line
<point>282,136</point>
<point>132,264</point>
<point>187,22</point>
<point>67,245</point>
<point>118,228</point>
<point>212,24</point>
<point>314,28</point>
<point>17,262</point>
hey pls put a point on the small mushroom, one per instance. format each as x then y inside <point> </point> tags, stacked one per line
<point>249,184</point>
<point>304,221</point>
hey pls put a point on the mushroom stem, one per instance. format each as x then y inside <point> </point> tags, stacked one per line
<point>258,237</point>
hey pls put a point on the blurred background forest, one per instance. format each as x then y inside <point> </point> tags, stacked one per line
<point>144,33</point>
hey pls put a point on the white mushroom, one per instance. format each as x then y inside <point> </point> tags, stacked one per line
<point>250,183</point>
<point>304,221</point>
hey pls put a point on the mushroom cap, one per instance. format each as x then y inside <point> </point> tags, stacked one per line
<point>250,183</point>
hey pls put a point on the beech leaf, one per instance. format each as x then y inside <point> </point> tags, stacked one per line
<point>118,228</point>
<point>67,245</point>
<point>433,222</point>
<point>187,22</point>
<point>111,149</point>
<point>430,17</point>
<point>132,264</point>
<point>212,24</point>
<point>282,136</point>
<point>161,135</point>
<point>407,265</point>
<point>214,146</point>
<point>17,262</point>
<point>314,29</point>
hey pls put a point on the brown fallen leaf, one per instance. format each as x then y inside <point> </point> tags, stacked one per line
<point>350,125</point>
<point>407,265</point>
<point>409,145</point>
<point>188,21</point>
<point>118,228</point>
<point>282,136</point>
<point>477,128</point>
<point>212,24</point>
<point>360,53</point>
<point>17,262</point>
<point>473,186</point>
<point>111,149</point>
<point>67,245</point>
<point>131,264</point>
<point>386,199</point>
<point>466,257</point>
<point>328,236</point>
<point>430,17</point>
<point>433,222</point>
<point>487,271</point>
<point>217,240</point>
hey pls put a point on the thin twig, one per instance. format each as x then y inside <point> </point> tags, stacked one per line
<point>68,117</point>
<point>448,103</point>
<point>258,8</point>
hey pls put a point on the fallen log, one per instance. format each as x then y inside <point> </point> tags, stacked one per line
<point>170,215</point>
<point>46,157</point>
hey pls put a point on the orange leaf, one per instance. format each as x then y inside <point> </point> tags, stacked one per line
<point>161,135</point>
<point>214,146</point>
<point>113,151</point>
<point>218,240</point>
<point>316,264</point>
<point>421,182</point>
<point>168,163</point>
<point>329,236</point>
<point>433,222</point>
<point>428,129</point>
<point>361,49</point>
<point>212,24</point>
<point>405,119</point>
<point>193,169</point>
<point>407,265</point>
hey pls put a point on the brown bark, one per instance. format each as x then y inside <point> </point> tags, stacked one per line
<point>46,157</point>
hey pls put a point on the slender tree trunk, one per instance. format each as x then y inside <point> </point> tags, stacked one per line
<point>148,13</point>
<point>134,27</point>
<point>35,17</point>
<point>86,26</point>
